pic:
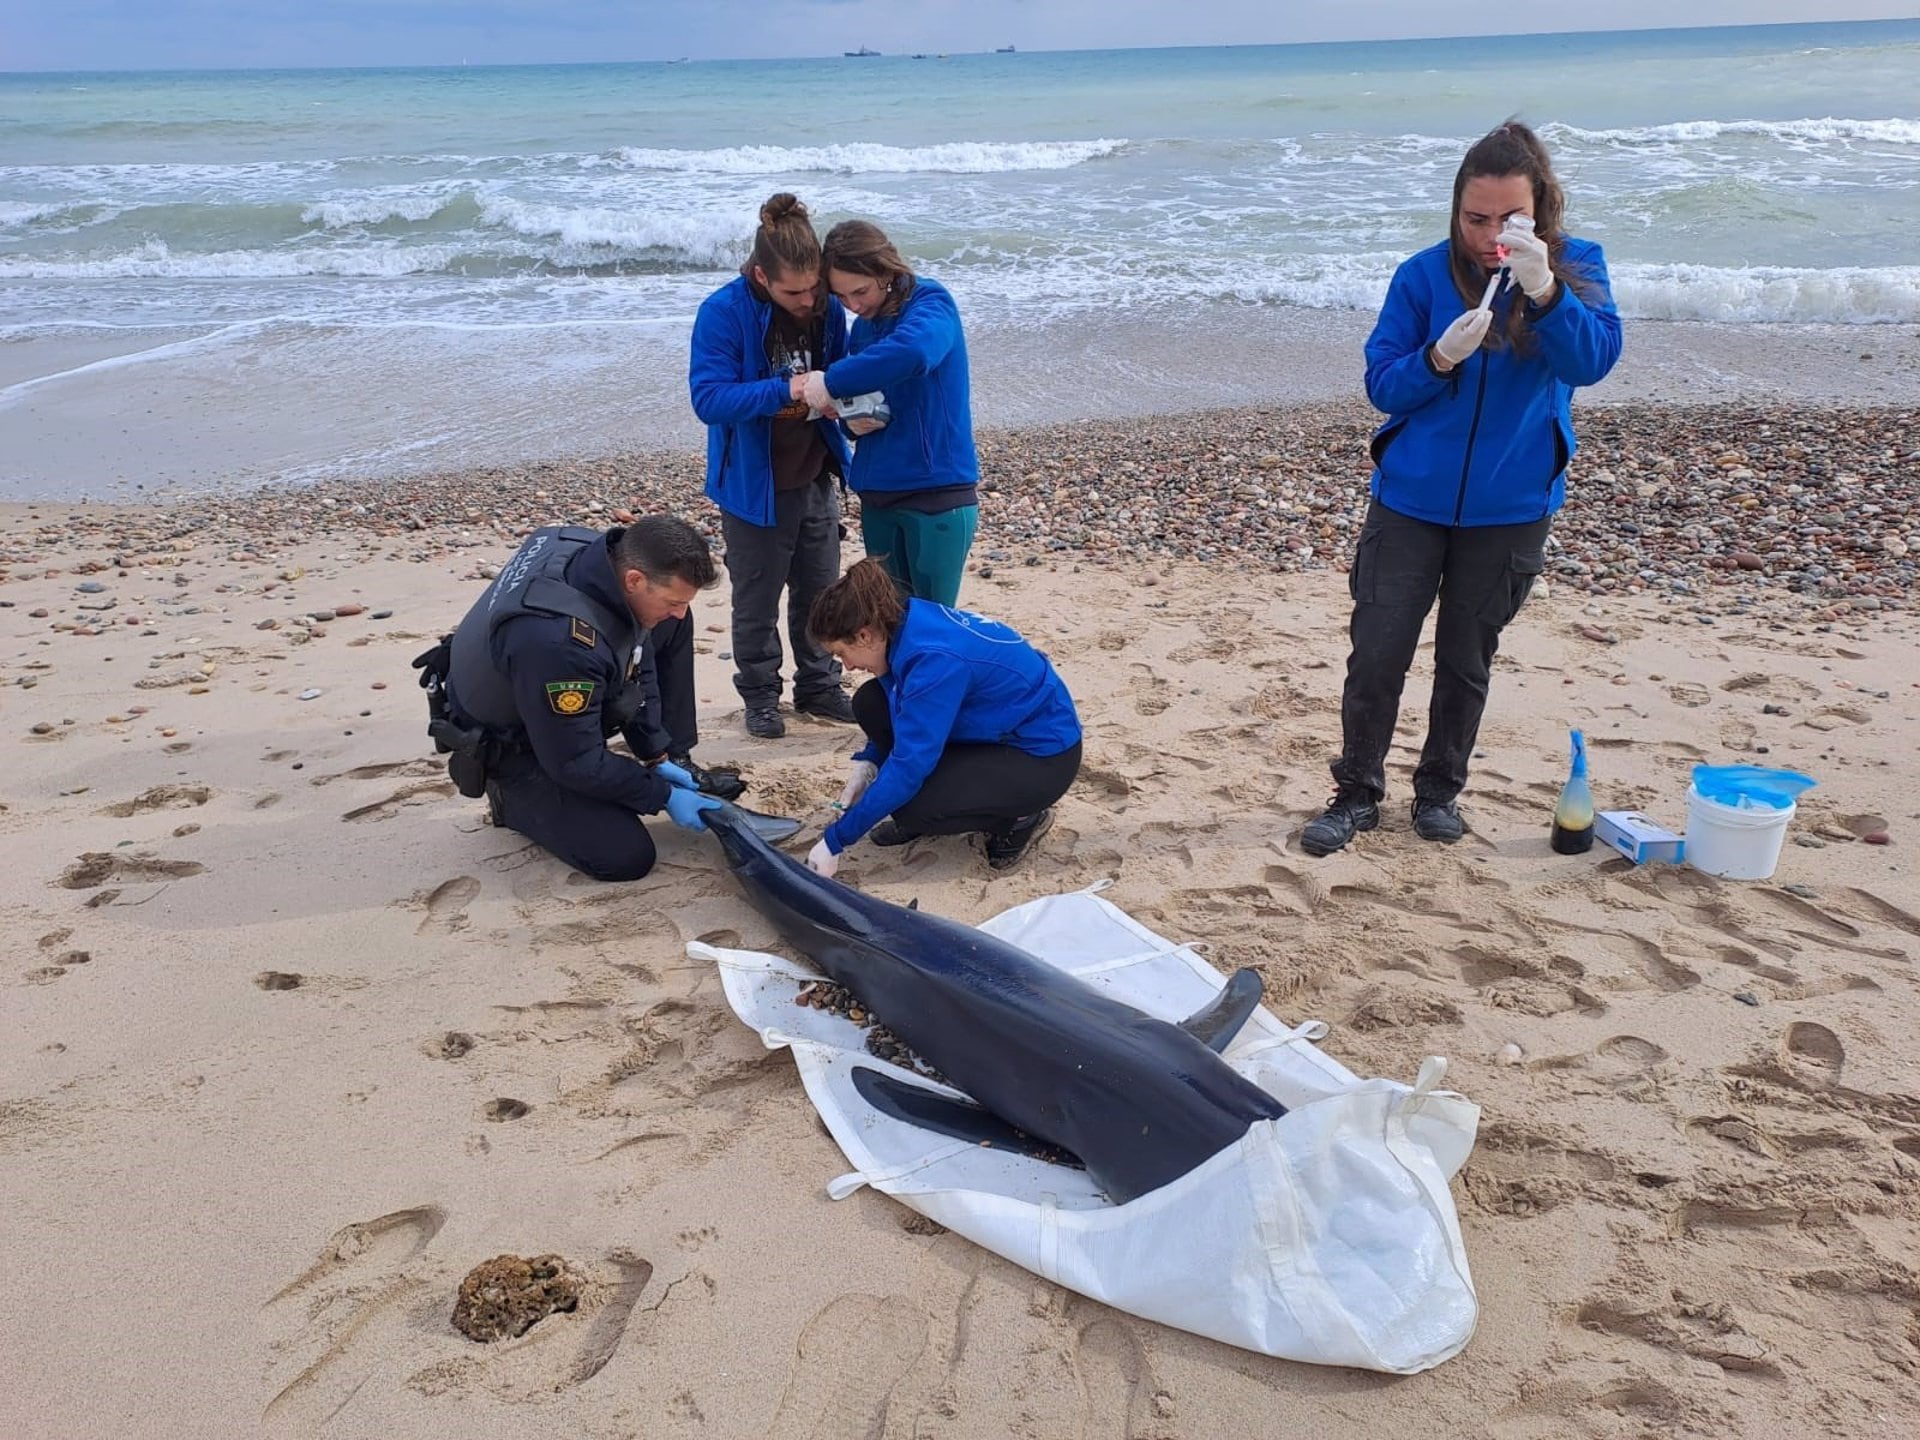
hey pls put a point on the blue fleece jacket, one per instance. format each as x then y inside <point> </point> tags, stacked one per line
<point>919,359</point>
<point>954,677</point>
<point>737,394</point>
<point>1488,442</point>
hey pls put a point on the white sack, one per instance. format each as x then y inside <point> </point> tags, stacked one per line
<point>1328,1235</point>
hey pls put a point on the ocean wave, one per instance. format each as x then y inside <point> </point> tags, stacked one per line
<point>1764,294</point>
<point>1886,132</point>
<point>27,212</point>
<point>154,260</point>
<point>349,211</point>
<point>966,157</point>
<point>708,238</point>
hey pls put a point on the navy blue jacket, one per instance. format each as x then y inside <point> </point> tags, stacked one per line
<point>919,359</point>
<point>954,677</point>
<point>1488,442</point>
<point>737,394</point>
<point>546,662</point>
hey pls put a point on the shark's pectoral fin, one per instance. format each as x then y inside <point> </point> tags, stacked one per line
<point>960,1119</point>
<point>1215,1024</point>
<point>770,828</point>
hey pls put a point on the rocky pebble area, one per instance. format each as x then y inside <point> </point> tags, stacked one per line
<point>1792,514</point>
<point>882,1043</point>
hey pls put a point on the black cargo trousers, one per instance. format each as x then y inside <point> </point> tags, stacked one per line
<point>1481,575</point>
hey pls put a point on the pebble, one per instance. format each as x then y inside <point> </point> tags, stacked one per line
<point>344,611</point>
<point>381,615</point>
<point>90,587</point>
<point>1511,1054</point>
<point>1878,837</point>
<point>1746,997</point>
<point>311,694</point>
<point>1805,892</point>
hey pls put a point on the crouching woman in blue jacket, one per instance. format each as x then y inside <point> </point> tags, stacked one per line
<point>969,728</point>
<point>1469,468</point>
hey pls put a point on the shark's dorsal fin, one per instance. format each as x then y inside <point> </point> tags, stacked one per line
<point>1216,1023</point>
<point>960,1119</point>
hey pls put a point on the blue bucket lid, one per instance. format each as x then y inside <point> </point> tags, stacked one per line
<point>1730,784</point>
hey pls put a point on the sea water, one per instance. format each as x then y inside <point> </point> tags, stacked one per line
<point>218,276</point>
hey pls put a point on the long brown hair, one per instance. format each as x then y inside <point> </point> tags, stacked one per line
<point>785,243</point>
<point>1513,149</point>
<point>861,247</point>
<point>865,596</point>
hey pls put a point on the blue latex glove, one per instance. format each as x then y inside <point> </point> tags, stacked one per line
<point>674,775</point>
<point>684,806</point>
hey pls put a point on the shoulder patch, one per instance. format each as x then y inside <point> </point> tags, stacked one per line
<point>570,697</point>
<point>584,634</point>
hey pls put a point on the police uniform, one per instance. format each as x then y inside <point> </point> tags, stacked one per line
<point>549,664</point>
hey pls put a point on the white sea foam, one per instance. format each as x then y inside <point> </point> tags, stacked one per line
<point>702,237</point>
<point>1763,293</point>
<point>376,208</point>
<point>966,157</point>
<point>154,260</point>
<point>25,212</point>
<point>1891,132</point>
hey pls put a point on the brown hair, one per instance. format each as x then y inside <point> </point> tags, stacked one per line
<point>865,596</point>
<point>861,247</point>
<point>785,243</point>
<point>664,547</point>
<point>1513,149</point>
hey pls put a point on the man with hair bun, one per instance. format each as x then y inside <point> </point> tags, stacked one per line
<point>772,462</point>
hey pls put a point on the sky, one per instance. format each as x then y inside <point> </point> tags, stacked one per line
<point>169,34</point>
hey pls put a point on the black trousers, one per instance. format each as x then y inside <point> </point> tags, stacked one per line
<point>799,554</point>
<point>596,837</point>
<point>1481,576</point>
<point>672,727</point>
<point>974,787</point>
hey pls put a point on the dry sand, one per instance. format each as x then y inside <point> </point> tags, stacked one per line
<point>268,979</point>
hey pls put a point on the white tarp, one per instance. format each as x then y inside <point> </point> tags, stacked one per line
<point>1328,1235</point>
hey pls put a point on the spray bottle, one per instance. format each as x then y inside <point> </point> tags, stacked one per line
<point>1573,813</point>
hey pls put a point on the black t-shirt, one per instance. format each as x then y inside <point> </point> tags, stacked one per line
<point>799,451</point>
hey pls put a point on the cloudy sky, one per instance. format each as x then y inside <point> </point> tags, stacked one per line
<point>122,34</point>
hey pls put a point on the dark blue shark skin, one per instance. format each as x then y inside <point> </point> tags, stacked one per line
<point>1139,1101</point>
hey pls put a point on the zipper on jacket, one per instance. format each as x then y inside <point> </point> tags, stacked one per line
<point>1473,433</point>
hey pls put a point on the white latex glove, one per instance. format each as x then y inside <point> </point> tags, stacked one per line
<point>1528,259</point>
<point>815,390</point>
<point>860,775</point>
<point>1463,337</point>
<point>821,860</point>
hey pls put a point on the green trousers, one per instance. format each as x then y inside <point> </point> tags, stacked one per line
<point>926,553</point>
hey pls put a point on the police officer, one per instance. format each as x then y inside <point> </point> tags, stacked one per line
<point>582,636</point>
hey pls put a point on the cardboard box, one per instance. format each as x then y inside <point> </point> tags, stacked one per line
<point>1638,838</point>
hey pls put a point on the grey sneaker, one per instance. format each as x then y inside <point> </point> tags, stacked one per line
<point>1438,820</point>
<point>764,722</point>
<point>1010,842</point>
<point>1346,815</point>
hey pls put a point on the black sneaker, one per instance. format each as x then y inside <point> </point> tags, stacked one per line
<point>1438,820</point>
<point>889,832</point>
<point>725,784</point>
<point>834,704</point>
<point>764,722</point>
<point>1006,845</point>
<point>496,812</point>
<point>1346,815</point>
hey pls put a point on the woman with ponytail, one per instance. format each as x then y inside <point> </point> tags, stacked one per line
<point>1475,377</point>
<point>770,468</point>
<point>969,728</point>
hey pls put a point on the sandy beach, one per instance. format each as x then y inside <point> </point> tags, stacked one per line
<point>292,1040</point>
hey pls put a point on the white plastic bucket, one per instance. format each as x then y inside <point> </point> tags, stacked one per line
<point>1733,843</point>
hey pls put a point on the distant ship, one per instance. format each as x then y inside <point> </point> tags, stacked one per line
<point>861,54</point>
<point>1005,50</point>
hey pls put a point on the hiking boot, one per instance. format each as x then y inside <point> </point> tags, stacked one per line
<point>764,722</point>
<point>1346,815</point>
<point>834,704</point>
<point>889,832</point>
<point>725,784</point>
<point>496,813</point>
<point>1438,820</point>
<point>1007,844</point>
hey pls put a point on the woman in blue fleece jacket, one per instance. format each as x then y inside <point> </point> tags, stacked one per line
<point>917,474</point>
<point>1469,468</point>
<point>969,728</point>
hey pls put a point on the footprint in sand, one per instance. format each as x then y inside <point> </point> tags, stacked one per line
<point>161,797</point>
<point>416,793</point>
<point>278,980</point>
<point>845,1367</point>
<point>1689,695</point>
<point>1815,1054</point>
<point>94,868</point>
<point>1119,1397</point>
<point>1832,717</point>
<point>506,1108</point>
<point>1151,694</point>
<point>450,1046</point>
<point>418,767</point>
<point>447,906</point>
